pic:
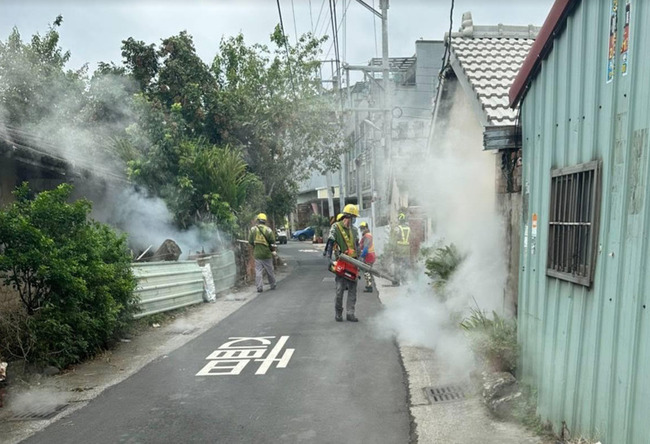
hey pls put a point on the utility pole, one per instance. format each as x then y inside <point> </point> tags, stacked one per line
<point>388,116</point>
<point>385,109</point>
<point>330,193</point>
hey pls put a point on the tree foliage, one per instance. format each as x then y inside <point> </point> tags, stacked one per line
<point>271,103</point>
<point>266,104</point>
<point>33,78</point>
<point>73,275</point>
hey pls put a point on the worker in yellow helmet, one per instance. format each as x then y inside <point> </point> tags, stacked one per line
<point>329,245</point>
<point>263,241</point>
<point>345,236</point>
<point>367,248</point>
<point>400,239</point>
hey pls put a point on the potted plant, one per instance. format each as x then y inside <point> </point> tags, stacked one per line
<point>320,224</point>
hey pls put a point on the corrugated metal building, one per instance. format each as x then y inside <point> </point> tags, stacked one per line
<point>585,274</point>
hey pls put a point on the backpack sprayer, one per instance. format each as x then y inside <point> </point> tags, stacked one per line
<point>348,267</point>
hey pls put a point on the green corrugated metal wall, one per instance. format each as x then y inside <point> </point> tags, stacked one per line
<point>588,350</point>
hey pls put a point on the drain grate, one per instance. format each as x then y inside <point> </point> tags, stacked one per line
<point>38,413</point>
<point>446,393</point>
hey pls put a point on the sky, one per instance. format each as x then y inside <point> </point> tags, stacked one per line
<point>93,30</point>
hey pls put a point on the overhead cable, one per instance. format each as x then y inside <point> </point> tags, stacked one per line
<point>286,46</point>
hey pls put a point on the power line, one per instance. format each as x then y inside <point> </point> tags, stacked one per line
<point>447,54</point>
<point>374,25</point>
<point>445,65</point>
<point>322,5</point>
<point>338,29</point>
<point>332,4</point>
<point>344,21</point>
<point>311,18</point>
<point>323,30</point>
<point>286,47</point>
<point>295,28</point>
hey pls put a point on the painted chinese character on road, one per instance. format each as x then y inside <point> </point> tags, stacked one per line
<point>233,356</point>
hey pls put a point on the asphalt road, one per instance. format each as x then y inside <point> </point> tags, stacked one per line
<point>278,370</point>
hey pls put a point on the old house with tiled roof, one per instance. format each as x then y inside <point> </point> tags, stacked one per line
<point>472,110</point>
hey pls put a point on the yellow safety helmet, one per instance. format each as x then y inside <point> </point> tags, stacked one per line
<point>351,209</point>
<point>401,216</point>
<point>261,217</point>
<point>339,217</point>
<point>363,225</point>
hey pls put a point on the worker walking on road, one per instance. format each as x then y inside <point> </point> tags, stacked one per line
<point>402,245</point>
<point>263,241</point>
<point>367,248</point>
<point>345,236</point>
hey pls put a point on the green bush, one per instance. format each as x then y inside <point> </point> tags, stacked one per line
<point>442,265</point>
<point>493,340</point>
<point>73,275</point>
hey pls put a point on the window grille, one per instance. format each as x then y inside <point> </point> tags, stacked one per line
<point>573,222</point>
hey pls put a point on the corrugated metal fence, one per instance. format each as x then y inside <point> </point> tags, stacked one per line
<point>164,286</point>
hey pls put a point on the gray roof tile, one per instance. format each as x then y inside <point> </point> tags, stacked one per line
<point>490,65</point>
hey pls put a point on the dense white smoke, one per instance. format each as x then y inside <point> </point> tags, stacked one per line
<point>148,222</point>
<point>65,132</point>
<point>455,186</point>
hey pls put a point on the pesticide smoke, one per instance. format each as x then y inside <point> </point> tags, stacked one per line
<point>148,222</point>
<point>455,188</point>
<point>70,131</point>
<point>42,401</point>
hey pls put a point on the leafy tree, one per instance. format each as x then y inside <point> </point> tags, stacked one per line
<point>271,103</point>
<point>213,184</point>
<point>266,104</point>
<point>141,61</point>
<point>73,275</point>
<point>36,89</point>
<point>186,80</point>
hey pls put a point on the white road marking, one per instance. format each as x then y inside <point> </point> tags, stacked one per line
<point>231,358</point>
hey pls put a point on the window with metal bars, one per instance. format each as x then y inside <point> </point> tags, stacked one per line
<point>573,222</point>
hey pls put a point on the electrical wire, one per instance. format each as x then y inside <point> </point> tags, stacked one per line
<point>445,65</point>
<point>332,5</point>
<point>374,25</point>
<point>295,28</point>
<point>447,54</point>
<point>317,27</point>
<point>286,47</point>
<point>339,28</point>
<point>311,17</point>
<point>344,22</point>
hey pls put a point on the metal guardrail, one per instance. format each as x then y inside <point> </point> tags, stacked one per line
<point>164,286</point>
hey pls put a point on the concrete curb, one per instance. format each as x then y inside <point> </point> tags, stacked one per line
<point>466,421</point>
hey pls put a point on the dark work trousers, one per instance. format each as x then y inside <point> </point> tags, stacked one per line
<point>341,285</point>
<point>260,266</point>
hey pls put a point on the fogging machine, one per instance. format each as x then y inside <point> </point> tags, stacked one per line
<point>348,267</point>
